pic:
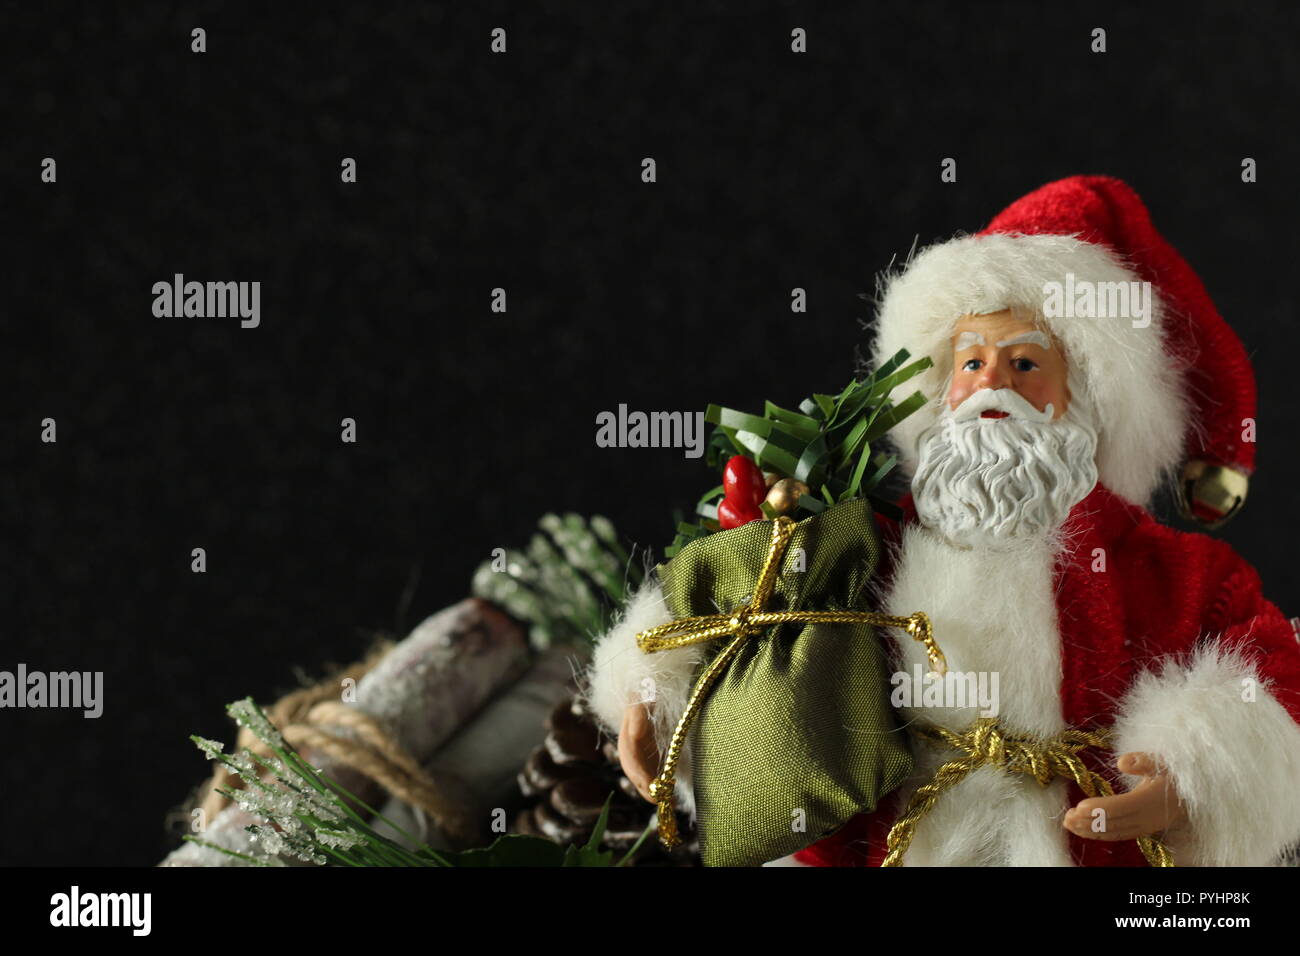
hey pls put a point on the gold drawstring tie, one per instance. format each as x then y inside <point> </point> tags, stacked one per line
<point>986,744</point>
<point>741,624</point>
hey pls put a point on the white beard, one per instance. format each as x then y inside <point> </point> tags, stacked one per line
<point>997,483</point>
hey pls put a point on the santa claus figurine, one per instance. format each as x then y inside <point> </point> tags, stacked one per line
<point>1078,364</point>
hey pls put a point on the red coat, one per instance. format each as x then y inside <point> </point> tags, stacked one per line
<point>1177,588</point>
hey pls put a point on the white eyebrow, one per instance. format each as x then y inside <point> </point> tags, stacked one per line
<point>968,340</point>
<point>1027,338</point>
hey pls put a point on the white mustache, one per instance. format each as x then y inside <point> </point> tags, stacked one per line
<point>1001,400</point>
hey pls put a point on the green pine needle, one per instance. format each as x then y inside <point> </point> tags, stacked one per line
<point>311,817</point>
<point>568,582</point>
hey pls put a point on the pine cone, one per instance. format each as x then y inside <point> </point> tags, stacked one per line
<point>566,781</point>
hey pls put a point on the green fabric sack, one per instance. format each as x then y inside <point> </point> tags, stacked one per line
<point>797,735</point>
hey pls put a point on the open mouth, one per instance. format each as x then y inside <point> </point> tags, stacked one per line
<point>994,413</point>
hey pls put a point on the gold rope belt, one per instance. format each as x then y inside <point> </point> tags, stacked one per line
<point>986,744</point>
<point>741,624</point>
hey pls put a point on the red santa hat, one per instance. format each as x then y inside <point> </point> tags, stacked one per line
<point>1178,388</point>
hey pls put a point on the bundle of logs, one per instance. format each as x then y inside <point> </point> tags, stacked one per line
<point>492,721</point>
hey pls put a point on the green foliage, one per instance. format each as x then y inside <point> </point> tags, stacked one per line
<point>309,816</point>
<point>512,849</point>
<point>312,818</point>
<point>591,854</point>
<point>519,850</point>
<point>827,444</point>
<point>566,584</point>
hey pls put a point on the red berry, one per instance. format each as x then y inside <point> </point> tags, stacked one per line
<point>743,491</point>
<point>731,515</point>
<point>743,481</point>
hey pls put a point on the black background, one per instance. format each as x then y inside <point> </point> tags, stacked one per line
<point>522,170</point>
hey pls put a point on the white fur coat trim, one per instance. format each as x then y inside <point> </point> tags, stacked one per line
<point>990,818</point>
<point>1235,761</point>
<point>1132,383</point>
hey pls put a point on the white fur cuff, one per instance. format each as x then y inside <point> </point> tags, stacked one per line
<point>622,674</point>
<point>1233,752</point>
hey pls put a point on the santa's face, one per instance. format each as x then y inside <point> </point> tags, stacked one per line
<point>1012,451</point>
<point>1002,350</point>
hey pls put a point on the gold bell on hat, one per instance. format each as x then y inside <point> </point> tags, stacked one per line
<point>1211,494</point>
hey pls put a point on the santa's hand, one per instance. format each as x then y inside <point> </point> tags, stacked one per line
<point>637,749</point>
<point>1153,806</point>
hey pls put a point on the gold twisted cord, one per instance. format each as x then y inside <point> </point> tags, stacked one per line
<point>739,625</point>
<point>987,744</point>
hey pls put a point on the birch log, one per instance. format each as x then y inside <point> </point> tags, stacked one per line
<point>481,763</point>
<point>423,690</point>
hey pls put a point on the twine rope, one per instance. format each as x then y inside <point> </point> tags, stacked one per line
<point>316,719</point>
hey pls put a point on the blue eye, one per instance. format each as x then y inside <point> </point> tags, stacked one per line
<point>1024,365</point>
<point>972,365</point>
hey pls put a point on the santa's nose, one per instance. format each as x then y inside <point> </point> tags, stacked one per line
<point>993,375</point>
